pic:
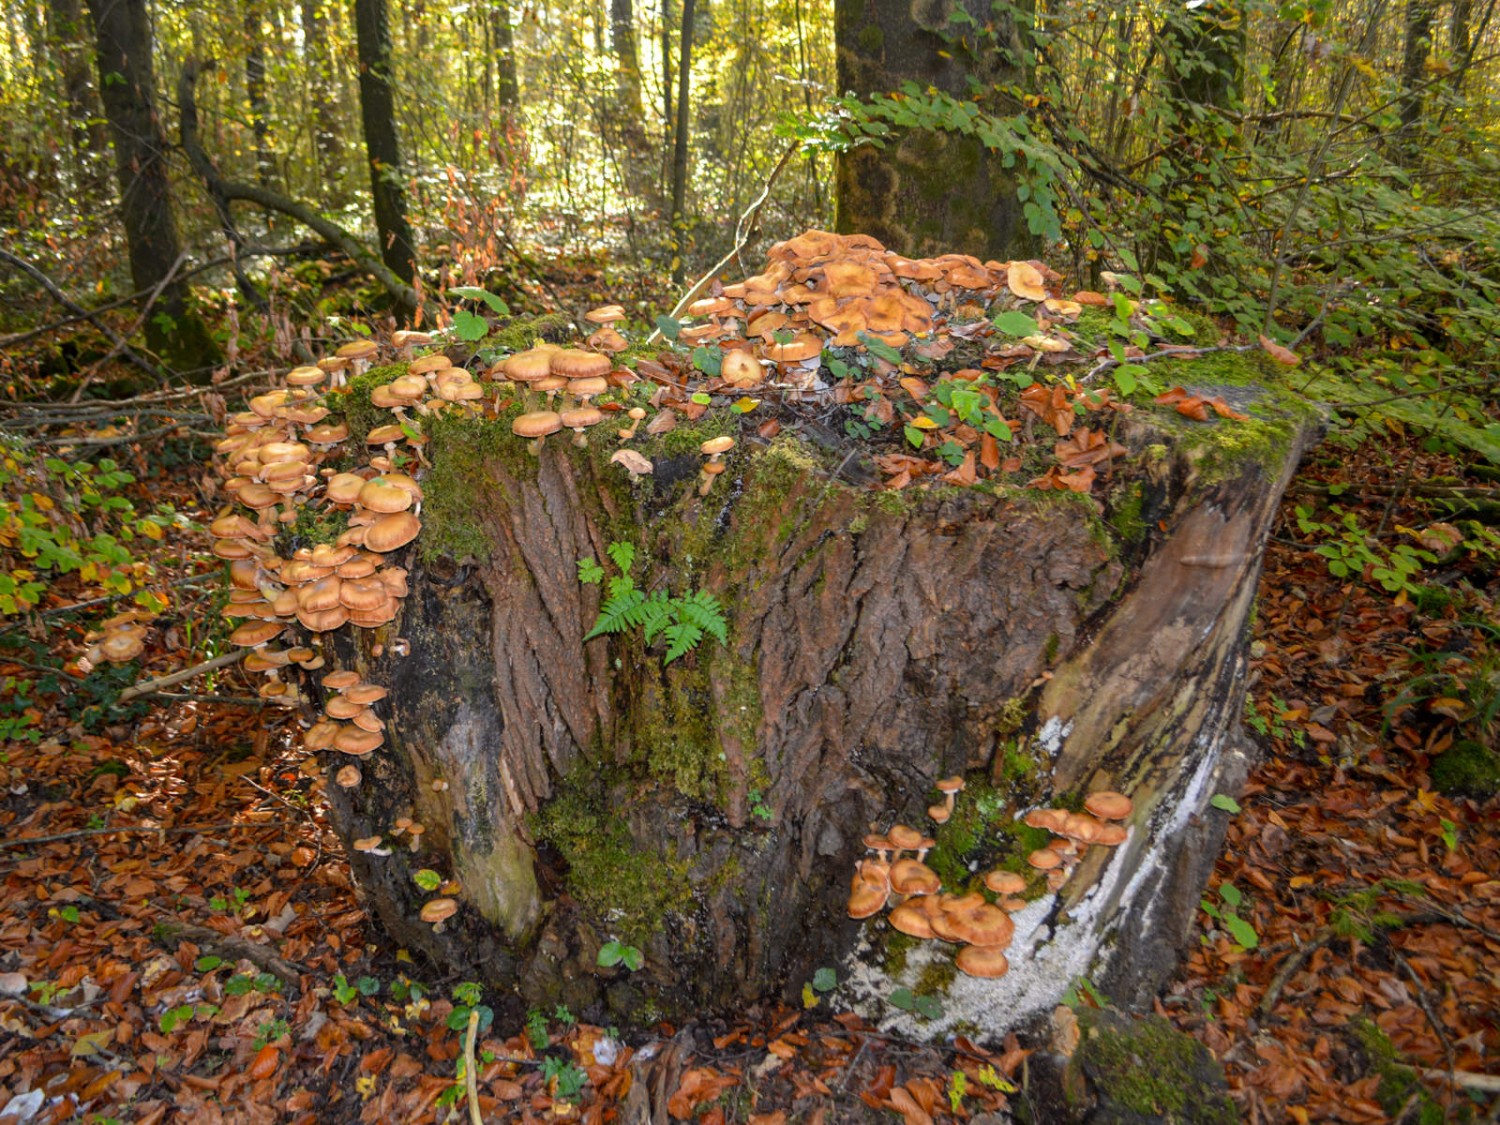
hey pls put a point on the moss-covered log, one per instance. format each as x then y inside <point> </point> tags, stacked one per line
<point>710,811</point>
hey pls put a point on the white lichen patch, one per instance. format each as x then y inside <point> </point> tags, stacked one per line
<point>1052,735</point>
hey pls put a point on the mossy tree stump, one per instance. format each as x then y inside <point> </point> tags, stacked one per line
<point>710,811</point>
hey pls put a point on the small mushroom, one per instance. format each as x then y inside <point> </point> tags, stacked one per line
<point>579,419</point>
<point>1108,805</point>
<point>535,427</point>
<point>348,776</point>
<point>635,414</point>
<point>706,477</point>
<point>950,787</point>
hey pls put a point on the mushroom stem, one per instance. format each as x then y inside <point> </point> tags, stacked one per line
<point>534,446</point>
<point>580,439</point>
<point>705,485</point>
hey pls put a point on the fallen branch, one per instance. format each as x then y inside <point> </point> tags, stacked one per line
<point>232,948</point>
<point>1289,969</point>
<point>150,687</point>
<point>744,231</point>
<point>133,829</point>
<point>121,346</point>
<point>229,190</point>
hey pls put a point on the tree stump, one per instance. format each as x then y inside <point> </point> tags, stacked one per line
<point>710,811</point>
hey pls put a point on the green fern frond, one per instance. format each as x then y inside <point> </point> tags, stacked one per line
<point>623,555</point>
<point>682,638</point>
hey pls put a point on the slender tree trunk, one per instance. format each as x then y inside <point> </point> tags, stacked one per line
<point>68,36</point>
<point>1418,42</point>
<point>126,83</point>
<point>378,111</point>
<point>930,191</point>
<point>628,72</point>
<point>317,62</point>
<point>667,116</point>
<point>255,89</point>
<point>508,91</point>
<point>680,145</point>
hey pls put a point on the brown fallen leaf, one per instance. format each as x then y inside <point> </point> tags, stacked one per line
<point>1279,352</point>
<point>266,1060</point>
<point>906,1105</point>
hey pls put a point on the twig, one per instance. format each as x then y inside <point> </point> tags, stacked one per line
<point>744,230</point>
<point>169,830</point>
<point>135,691</point>
<point>1424,1002</point>
<point>233,948</point>
<point>121,345</point>
<point>471,1084</point>
<point>1289,969</point>
<point>199,697</point>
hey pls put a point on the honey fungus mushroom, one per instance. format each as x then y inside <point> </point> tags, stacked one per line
<point>714,448</point>
<point>535,427</point>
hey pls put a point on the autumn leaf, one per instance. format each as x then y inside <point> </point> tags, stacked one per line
<point>906,1105</point>
<point>1279,352</point>
<point>266,1060</point>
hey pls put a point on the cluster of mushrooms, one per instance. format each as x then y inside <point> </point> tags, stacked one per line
<point>118,640</point>
<point>1076,831</point>
<point>827,290</point>
<point>914,891</point>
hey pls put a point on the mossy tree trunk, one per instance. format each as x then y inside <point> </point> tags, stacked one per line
<point>929,192</point>
<point>710,811</point>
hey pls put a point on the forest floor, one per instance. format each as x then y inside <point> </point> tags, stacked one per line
<point>181,939</point>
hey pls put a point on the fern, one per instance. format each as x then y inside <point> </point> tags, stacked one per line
<point>682,622</point>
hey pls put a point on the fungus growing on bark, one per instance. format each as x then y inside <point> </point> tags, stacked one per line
<point>1004,882</point>
<point>985,962</point>
<point>1108,805</point>
<point>348,776</point>
<point>535,427</point>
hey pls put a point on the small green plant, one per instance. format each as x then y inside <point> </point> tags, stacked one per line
<point>536,1029</point>
<point>958,1086</point>
<point>613,953</point>
<point>1082,990</point>
<point>466,999</point>
<point>233,904</point>
<point>270,1032</point>
<point>922,1006</point>
<point>428,879</point>
<point>758,807</point>
<point>564,1077</point>
<point>346,993</point>
<point>682,621</point>
<point>1351,552</point>
<point>242,983</point>
<point>1227,914</point>
<point>471,327</point>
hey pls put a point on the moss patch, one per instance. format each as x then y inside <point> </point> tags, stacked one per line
<point>1398,1083</point>
<point>611,874</point>
<point>1468,768</point>
<point>1148,1068</point>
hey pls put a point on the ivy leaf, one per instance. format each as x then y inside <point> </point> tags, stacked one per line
<point>474,293</point>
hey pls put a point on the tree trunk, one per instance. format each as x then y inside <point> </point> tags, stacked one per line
<point>126,84</point>
<point>317,62</point>
<point>508,92</point>
<point>680,145</point>
<point>1415,48</point>
<point>710,811</point>
<point>931,191</point>
<point>255,90</point>
<point>67,33</point>
<point>378,111</point>
<point>628,73</point>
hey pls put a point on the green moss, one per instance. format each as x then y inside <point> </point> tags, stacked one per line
<point>1125,513</point>
<point>898,947</point>
<point>1398,1083</point>
<point>610,873</point>
<point>519,335</point>
<point>676,740</point>
<point>870,39</point>
<point>1151,1069</point>
<point>1014,711</point>
<point>1467,768</point>
<point>360,416</point>
<point>936,976</point>
<point>314,525</point>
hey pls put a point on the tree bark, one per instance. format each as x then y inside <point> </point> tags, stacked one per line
<point>929,192</point>
<point>680,145</point>
<point>126,84</point>
<point>627,59</point>
<point>710,811</point>
<point>67,34</point>
<point>317,63</point>
<point>255,90</point>
<point>382,147</point>
<point>1415,47</point>
<point>508,91</point>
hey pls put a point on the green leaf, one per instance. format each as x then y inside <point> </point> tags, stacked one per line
<point>1231,895</point>
<point>590,573</point>
<point>1225,802</point>
<point>929,1007</point>
<point>879,348</point>
<point>611,953</point>
<point>473,293</point>
<point>710,361</point>
<point>634,959</point>
<point>702,398</point>
<point>669,327</point>
<point>427,879</point>
<point>825,980</point>
<point>470,327</point>
<point>622,554</point>
<point>903,999</point>
<point>1125,378</point>
<point>1242,931</point>
<point>915,436</point>
<point>208,963</point>
<point>1013,322</point>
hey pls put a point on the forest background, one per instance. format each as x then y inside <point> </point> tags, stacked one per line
<point>196,197</point>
